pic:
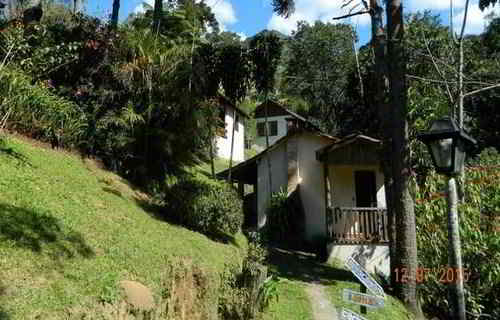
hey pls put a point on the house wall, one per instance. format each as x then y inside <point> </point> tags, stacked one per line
<point>308,172</point>
<point>312,186</point>
<point>343,192</point>
<point>279,169</point>
<point>224,144</point>
<point>282,130</point>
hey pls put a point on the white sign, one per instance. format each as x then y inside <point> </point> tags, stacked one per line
<point>364,277</point>
<point>347,314</point>
<point>363,299</point>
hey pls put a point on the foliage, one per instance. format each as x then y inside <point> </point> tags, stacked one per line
<point>234,71</point>
<point>36,111</point>
<point>278,217</point>
<point>319,61</point>
<point>479,217</point>
<point>265,53</point>
<point>210,207</point>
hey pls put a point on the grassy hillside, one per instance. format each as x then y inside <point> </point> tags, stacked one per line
<point>69,231</point>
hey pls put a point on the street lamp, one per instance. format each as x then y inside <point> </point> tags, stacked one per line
<point>447,143</point>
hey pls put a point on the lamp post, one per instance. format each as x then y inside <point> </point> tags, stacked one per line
<point>447,143</point>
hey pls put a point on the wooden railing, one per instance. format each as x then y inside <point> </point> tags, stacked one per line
<point>357,225</point>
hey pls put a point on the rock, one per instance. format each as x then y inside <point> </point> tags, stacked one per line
<point>137,295</point>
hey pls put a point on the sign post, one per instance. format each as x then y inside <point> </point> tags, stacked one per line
<point>363,299</point>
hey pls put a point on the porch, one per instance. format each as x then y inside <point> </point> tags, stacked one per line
<point>355,226</point>
<point>354,192</point>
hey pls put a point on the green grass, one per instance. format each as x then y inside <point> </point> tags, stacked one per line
<point>69,231</point>
<point>219,165</point>
<point>292,303</point>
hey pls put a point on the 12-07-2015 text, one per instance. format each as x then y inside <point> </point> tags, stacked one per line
<point>442,274</point>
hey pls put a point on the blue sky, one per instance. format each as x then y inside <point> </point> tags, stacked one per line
<point>248,17</point>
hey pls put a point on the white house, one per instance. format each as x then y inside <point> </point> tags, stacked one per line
<point>280,121</point>
<point>339,186</point>
<point>230,116</point>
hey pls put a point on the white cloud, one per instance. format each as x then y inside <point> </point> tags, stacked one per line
<point>325,10</point>
<point>310,11</point>
<point>476,19</point>
<point>242,35</point>
<point>439,5</point>
<point>140,8</point>
<point>223,10</point>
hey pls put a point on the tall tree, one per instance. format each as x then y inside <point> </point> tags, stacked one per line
<point>157,14</point>
<point>77,6</point>
<point>406,245</point>
<point>317,69</point>
<point>114,14</point>
<point>406,248</point>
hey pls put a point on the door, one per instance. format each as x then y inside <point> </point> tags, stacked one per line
<point>365,188</point>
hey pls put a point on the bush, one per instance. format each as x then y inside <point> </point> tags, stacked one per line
<point>480,240</point>
<point>278,217</point>
<point>210,207</point>
<point>35,110</point>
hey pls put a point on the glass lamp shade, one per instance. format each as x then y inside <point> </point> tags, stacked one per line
<point>442,150</point>
<point>447,144</point>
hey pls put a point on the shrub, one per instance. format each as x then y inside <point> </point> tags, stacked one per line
<point>35,110</point>
<point>210,207</point>
<point>278,217</point>
<point>480,240</point>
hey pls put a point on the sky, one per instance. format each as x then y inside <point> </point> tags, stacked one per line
<point>247,17</point>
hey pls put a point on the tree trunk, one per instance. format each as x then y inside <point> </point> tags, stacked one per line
<point>455,257</point>
<point>77,6</point>
<point>157,14</point>
<point>270,175</point>
<point>212,164</point>
<point>406,245</point>
<point>384,112</point>
<point>232,147</point>
<point>114,15</point>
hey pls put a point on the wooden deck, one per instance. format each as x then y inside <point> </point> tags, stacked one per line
<point>349,225</point>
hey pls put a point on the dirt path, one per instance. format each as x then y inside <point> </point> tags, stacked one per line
<point>322,308</point>
<point>316,277</point>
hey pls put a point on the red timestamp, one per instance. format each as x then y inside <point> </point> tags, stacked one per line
<point>442,274</point>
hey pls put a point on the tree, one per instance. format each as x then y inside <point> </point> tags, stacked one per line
<point>77,6</point>
<point>406,249</point>
<point>114,14</point>
<point>317,69</point>
<point>157,14</point>
<point>265,49</point>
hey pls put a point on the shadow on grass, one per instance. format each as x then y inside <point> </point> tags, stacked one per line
<point>10,152</point>
<point>41,233</point>
<point>112,191</point>
<point>302,266</point>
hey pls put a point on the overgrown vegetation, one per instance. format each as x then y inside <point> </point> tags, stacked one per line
<point>480,241</point>
<point>210,207</point>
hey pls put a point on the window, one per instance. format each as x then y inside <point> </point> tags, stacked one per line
<point>236,122</point>
<point>273,128</point>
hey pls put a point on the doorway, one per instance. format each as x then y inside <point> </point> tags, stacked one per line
<point>365,188</point>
